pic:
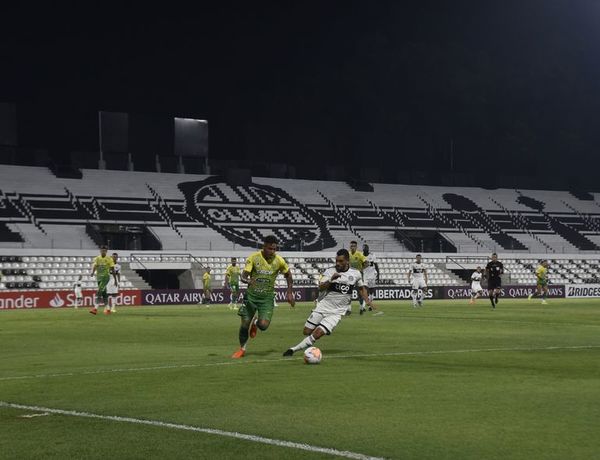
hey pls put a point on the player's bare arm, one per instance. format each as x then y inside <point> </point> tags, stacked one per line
<point>364,293</point>
<point>425,275</point>
<point>290,294</point>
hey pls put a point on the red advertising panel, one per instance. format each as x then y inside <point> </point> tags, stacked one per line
<point>17,300</point>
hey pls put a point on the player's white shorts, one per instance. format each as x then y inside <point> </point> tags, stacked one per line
<point>370,282</point>
<point>78,293</point>
<point>476,287</point>
<point>112,288</point>
<point>321,318</point>
<point>418,284</point>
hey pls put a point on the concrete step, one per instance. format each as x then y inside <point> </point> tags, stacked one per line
<point>137,281</point>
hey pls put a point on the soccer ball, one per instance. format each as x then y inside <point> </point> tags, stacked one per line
<point>312,355</point>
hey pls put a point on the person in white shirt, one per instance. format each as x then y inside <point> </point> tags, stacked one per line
<point>77,290</point>
<point>417,278</point>
<point>335,296</point>
<point>476,289</point>
<point>112,288</point>
<point>370,276</point>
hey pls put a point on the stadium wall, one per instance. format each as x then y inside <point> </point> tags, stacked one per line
<point>28,300</point>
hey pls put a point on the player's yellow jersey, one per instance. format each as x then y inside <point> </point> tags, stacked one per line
<point>233,274</point>
<point>206,280</point>
<point>357,260</point>
<point>103,265</point>
<point>541,273</point>
<point>263,273</point>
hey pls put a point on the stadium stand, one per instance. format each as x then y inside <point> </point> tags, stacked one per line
<point>56,272</point>
<point>59,272</point>
<point>200,212</point>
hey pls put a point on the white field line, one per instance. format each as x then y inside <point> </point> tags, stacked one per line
<point>212,431</point>
<point>494,320</point>
<point>275,360</point>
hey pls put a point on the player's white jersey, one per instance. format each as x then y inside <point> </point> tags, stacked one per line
<point>370,276</point>
<point>476,281</point>
<point>417,271</point>
<point>112,287</point>
<point>369,272</point>
<point>338,296</point>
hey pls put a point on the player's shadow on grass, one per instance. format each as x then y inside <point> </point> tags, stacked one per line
<point>265,352</point>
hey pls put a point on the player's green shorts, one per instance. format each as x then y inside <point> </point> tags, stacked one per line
<point>102,281</point>
<point>235,287</point>
<point>257,305</point>
<point>542,283</point>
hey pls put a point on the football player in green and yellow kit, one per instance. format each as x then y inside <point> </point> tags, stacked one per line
<point>541,274</point>
<point>206,287</point>
<point>232,282</point>
<point>102,267</point>
<point>260,273</point>
<point>358,261</point>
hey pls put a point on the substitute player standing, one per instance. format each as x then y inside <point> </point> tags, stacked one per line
<point>102,268</point>
<point>417,278</point>
<point>112,288</point>
<point>260,273</point>
<point>77,290</point>
<point>541,274</point>
<point>335,295</point>
<point>493,273</point>
<point>476,288</point>
<point>232,282</point>
<point>357,261</point>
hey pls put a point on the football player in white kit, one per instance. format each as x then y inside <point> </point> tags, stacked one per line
<point>112,288</point>
<point>370,276</point>
<point>335,296</point>
<point>78,292</point>
<point>417,278</point>
<point>476,289</point>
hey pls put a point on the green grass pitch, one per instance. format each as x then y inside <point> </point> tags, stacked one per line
<point>448,380</point>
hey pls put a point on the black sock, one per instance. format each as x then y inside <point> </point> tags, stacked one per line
<point>243,335</point>
<point>492,300</point>
<point>496,297</point>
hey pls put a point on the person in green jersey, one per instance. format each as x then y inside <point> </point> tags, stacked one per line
<point>102,268</point>
<point>541,288</point>
<point>232,282</point>
<point>206,287</point>
<point>358,262</point>
<point>260,273</point>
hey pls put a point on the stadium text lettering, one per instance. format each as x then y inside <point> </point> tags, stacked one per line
<point>592,290</point>
<point>257,215</point>
<point>507,291</point>
<point>393,294</point>
<point>10,303</point>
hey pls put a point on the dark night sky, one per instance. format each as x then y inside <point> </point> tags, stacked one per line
<point>512,83</point>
